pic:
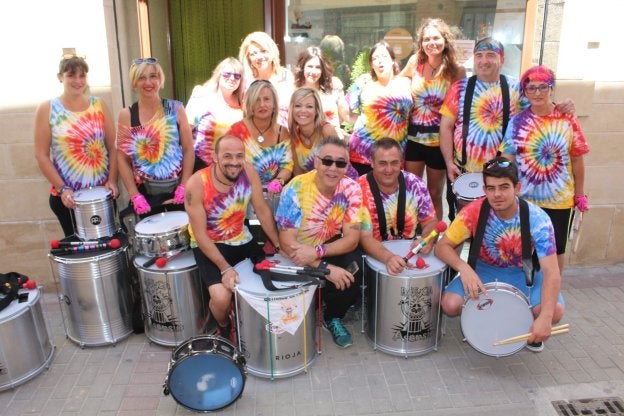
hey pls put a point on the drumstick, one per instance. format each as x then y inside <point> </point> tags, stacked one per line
<point>439,228</point>
<point>555,330</point>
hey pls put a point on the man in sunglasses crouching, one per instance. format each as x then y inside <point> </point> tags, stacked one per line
<point>495,223</point>
<point>319,219</point>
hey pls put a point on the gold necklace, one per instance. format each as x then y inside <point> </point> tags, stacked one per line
<point>261,138</point>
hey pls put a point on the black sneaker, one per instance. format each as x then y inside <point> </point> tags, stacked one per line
<point>535,347</point>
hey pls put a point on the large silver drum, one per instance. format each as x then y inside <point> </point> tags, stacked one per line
<point>175,301</point>
<point>162,234</point>
<point>95,213</point>
<point>277,331</point>
<point>95,295</point>
<point>404,314</point>
<point>25,348</point>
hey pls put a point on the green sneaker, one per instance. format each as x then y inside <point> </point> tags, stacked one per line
<point>339,333</point>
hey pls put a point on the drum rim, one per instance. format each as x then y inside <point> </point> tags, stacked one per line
<point>285,292</point>
<point>64,260</point>
<point>432,272</point>
<point>173,231</point>
<point>161,215</point>
<point>26,306</point>
<point>108,195</point>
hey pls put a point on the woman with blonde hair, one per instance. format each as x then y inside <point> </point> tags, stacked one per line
<point>214,107</point>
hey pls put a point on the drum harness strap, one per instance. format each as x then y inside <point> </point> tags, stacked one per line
<point>303,279</point>
<point>10,283</point>
<point>530,263</point>
<point>470,87</point>
<point>381,214</point>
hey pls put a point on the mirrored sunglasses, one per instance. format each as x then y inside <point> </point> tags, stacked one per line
<point>229,75</point>
<point>140,61</point>
<point>496,163</point>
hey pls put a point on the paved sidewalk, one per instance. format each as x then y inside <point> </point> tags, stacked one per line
<point>588,362</point>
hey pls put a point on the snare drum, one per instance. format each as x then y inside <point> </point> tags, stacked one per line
<point>276,330</point>
<point>205,373</point>
<point>25,348</point>
<point>404,311</point>
<point>96,296</point>
<point>175,300</point>
<point>95,216</point>
<point>505,313</point>
<point>160,187</point>
<point>162,234</point>
<point>467,188</point>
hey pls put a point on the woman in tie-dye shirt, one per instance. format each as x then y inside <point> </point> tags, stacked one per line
<point>384,103</point>
<point>154,142</point>
<point>78,133</point>
<point>549,148</point>
<point>214,107</point>
<point>433,68</point>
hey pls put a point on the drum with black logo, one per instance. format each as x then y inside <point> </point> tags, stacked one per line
<point>277,331</point>
<point>95,213</point>
<point>206,373</point>
<point>25,347</point>
<point>162,234</point>
<point>503,313</point>
<point>467,188</point>
<point>404,314</point>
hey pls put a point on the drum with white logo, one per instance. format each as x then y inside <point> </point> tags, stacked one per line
<point>467,188</point>
<point>162,234</point>
<point>95,214</point>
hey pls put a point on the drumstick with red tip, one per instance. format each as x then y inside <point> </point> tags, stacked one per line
<point>61,244</point>
<point>112,244</point>
<point>439,228</point>
<point>273,267</point>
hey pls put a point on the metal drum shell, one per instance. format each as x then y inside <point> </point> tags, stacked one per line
<point>95,296</point>
<point>95,217</point>
<point>175,300</point>
<point>257,340</point>
<point>404,312</point>
<point>25,347</point>
<point>162,234</point>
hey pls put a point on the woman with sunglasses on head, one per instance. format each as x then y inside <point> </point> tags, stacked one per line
<point>549,148</point>
<point>432,69</point>
<point>261,60</point>
<point>214,107</point>
<point>78,133</point>
<point>154,142</point>
<point>314,71</point>
<point>384,103</point>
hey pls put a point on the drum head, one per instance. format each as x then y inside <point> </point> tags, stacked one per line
<point>162,223</point>
<point>504,314</point>
<point>98,193</point>
<point>401,247</point>
<point>469,186</point>
<point>182,261</point>
<point>206,381</point>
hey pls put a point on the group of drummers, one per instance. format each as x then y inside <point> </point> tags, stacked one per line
<point>329,214</point>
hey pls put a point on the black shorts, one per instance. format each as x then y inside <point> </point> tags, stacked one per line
<point>210,273</point>
<point>432,156</point>
<point>561,220</point>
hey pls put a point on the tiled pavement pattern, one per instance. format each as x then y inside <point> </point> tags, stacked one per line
<point>456,380</point>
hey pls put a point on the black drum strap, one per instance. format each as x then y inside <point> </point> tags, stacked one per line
<point>268,277</point>
<point>506,103</point>
<point>381,213</point>
<point>134,115</point>
<point>10,284</point>
<point>477,239</point>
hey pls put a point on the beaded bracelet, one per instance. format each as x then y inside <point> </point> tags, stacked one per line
<point>321,251</point>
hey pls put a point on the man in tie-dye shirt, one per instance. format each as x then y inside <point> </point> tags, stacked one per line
<point>386,161</point>
<point>319,219</point>
<point>500,254</point>
<point>216,201</point>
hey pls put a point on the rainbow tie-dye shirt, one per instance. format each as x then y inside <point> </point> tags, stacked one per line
<point>225,212</point>
<point>428,96</point>
<point>384,112</point>
<point>485,132</point>
<point>418,208</point>
<point>78,147</point>
<point>154,148</point>
<point>544,147</point>
<point>316,217</point>
<point>268,160</point>
<point>502,243</point>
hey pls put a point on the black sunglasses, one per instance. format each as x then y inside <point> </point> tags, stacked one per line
<point>340,164</point>
<point>496,163</point>
<point>140,61</point>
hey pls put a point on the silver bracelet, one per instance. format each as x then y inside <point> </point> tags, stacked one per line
<point>226,270</point>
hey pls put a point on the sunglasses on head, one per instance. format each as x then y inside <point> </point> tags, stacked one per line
<point>496,163</point>
<point>228,75</point>
<point>67,56</point>
<point>340,164</point>
<point>140,61</point>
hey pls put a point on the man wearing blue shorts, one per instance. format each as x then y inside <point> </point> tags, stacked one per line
<point>500,254</point>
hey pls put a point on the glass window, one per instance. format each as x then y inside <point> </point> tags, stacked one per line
<point>346,28</point>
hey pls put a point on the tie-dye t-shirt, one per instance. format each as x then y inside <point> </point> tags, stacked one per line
<point>78,146</point>
<point>154,147</point>
<point>502,243</point>
<point>544,147</point>
<point>316,217</point>
<point>428,96</point>
<point>384,112</point>
<point>418,207</point>
<point>225,212</point>
<point>485,132</point>
<point>211,118</point>
<point>268,160</point>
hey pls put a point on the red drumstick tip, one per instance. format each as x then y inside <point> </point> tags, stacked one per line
<point>30,285</point>
<point>114,243</point>
<point>420,263</point>
<point>440,226</point>
<point>161,262</point>
<point>55,243</point>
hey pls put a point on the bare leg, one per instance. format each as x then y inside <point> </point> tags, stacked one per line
<point>417,168</point>
<point>220,302</point>
<point>436,179</point>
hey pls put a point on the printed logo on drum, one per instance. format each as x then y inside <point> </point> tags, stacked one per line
<point>288,356</point>
<point>95,220</point>
<point>474,184</point>
<point>158,304</point>
<point>274,329</point>
<point>416,308</point>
